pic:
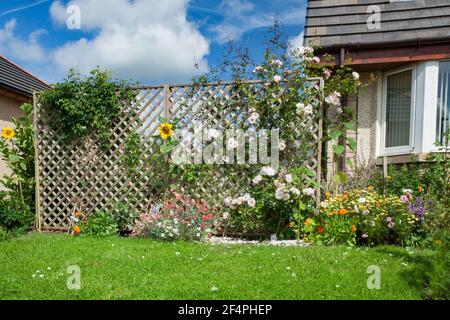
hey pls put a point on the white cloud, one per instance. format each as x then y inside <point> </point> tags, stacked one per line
<point>24,50</point>
<point>241,16</point>
<point>142,40</point>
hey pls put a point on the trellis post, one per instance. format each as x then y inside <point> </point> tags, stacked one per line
<point>37,200</point>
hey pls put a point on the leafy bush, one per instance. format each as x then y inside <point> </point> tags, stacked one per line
<point>4,234</point>
<point>14,213</point>
<point>17,149</point>
<point>83,105</point>
<point>124,217</point>
<point>100,223</point>
<point>179,218</point>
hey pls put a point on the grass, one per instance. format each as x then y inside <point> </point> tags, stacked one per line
<point>120,268</point>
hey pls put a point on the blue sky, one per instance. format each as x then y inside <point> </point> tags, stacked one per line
<point>150,41</point>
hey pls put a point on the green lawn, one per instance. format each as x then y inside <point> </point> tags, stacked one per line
<point>118,268</point>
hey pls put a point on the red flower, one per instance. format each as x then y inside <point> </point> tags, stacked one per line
<point>320,229</point>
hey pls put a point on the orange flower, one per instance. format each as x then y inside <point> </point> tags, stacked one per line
<point>334,213</point>
<point>353,228</point>
<point>420,189</point>
<point>76,230</point>
<point>77,214</point>
<point>342,211</point>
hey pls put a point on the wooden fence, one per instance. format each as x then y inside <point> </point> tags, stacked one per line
<point>87,177</point>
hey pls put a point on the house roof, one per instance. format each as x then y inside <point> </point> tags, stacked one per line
<point>18,80</point>
<point>343,23</point>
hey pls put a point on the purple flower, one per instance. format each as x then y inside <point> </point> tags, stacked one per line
<point>388,219</point>
<point>418,208</point>
<point>391,225</point>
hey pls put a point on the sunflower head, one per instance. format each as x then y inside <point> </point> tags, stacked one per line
<point>8,133</point>
<point>165,130</point>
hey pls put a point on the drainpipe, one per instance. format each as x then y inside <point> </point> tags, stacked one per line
<point>343,139</point>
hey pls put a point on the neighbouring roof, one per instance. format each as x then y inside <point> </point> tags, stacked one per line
<point>16,79</point>
<point>343,23</point>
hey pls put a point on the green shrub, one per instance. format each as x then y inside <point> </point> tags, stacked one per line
<point>82,105</point>
<point>100,223</point>
<point>14,213</point>
<point>124,217</point>
<point>17,200</point>
<point>4,234</point>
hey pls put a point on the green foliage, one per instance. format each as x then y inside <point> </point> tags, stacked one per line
<point>14,213</point>
<point>4,234</point>
<point>133,151</point>
<point>124,217</point>
<point>17,201</point>
<point>81,106</point>
<point>100,223</point>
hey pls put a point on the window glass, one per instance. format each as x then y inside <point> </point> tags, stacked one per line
<point>398,109</point>
<point>443,107</point>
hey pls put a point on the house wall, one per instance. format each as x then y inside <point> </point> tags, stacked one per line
<point>365,107</point>
<point>9,108</point>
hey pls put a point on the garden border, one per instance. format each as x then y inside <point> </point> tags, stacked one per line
<point>83,177</point>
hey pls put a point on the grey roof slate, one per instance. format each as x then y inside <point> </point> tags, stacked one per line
<point>343,23</point>
<point>14,78</point>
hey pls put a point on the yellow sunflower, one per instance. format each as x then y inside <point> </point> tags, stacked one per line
<point>8,133</point>
<point>165,130</point>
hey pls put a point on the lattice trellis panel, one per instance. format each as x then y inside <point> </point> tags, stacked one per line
<point>87,177</point>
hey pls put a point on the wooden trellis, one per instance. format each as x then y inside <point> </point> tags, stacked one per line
<point>87,177</point>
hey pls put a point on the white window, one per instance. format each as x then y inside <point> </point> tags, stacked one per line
<point>398,111</point>
<point>415,108</point>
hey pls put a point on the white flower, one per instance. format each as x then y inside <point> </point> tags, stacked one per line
<point>305,50</point>
<point>257,179</point>
<point>288,178</point>
<point>362,200</point>
<point>277,78</point>
<point>308,192</point>
<point>251,202</point>
<point>268,171</point>
<point>228,201</point>
<point>327,74</point>
<point>225,216</point>
<point>281,194</point>
<point>339,110</point>
<point>308,109</point>
<point>232,143</point>
<point>407,191</point>
<point>316,59</point>
<point>295,191</point>
<point>355,75</point>
<point>282,145</point>
<point>365,212</point>
<point>214,289</point>
<point>258,69</point>
<point>334,99</point>
<point>276,63</point>
<point>253,118</point>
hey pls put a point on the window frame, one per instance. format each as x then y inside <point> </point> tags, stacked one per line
<point>436,147</point>
<point>407,149</point>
